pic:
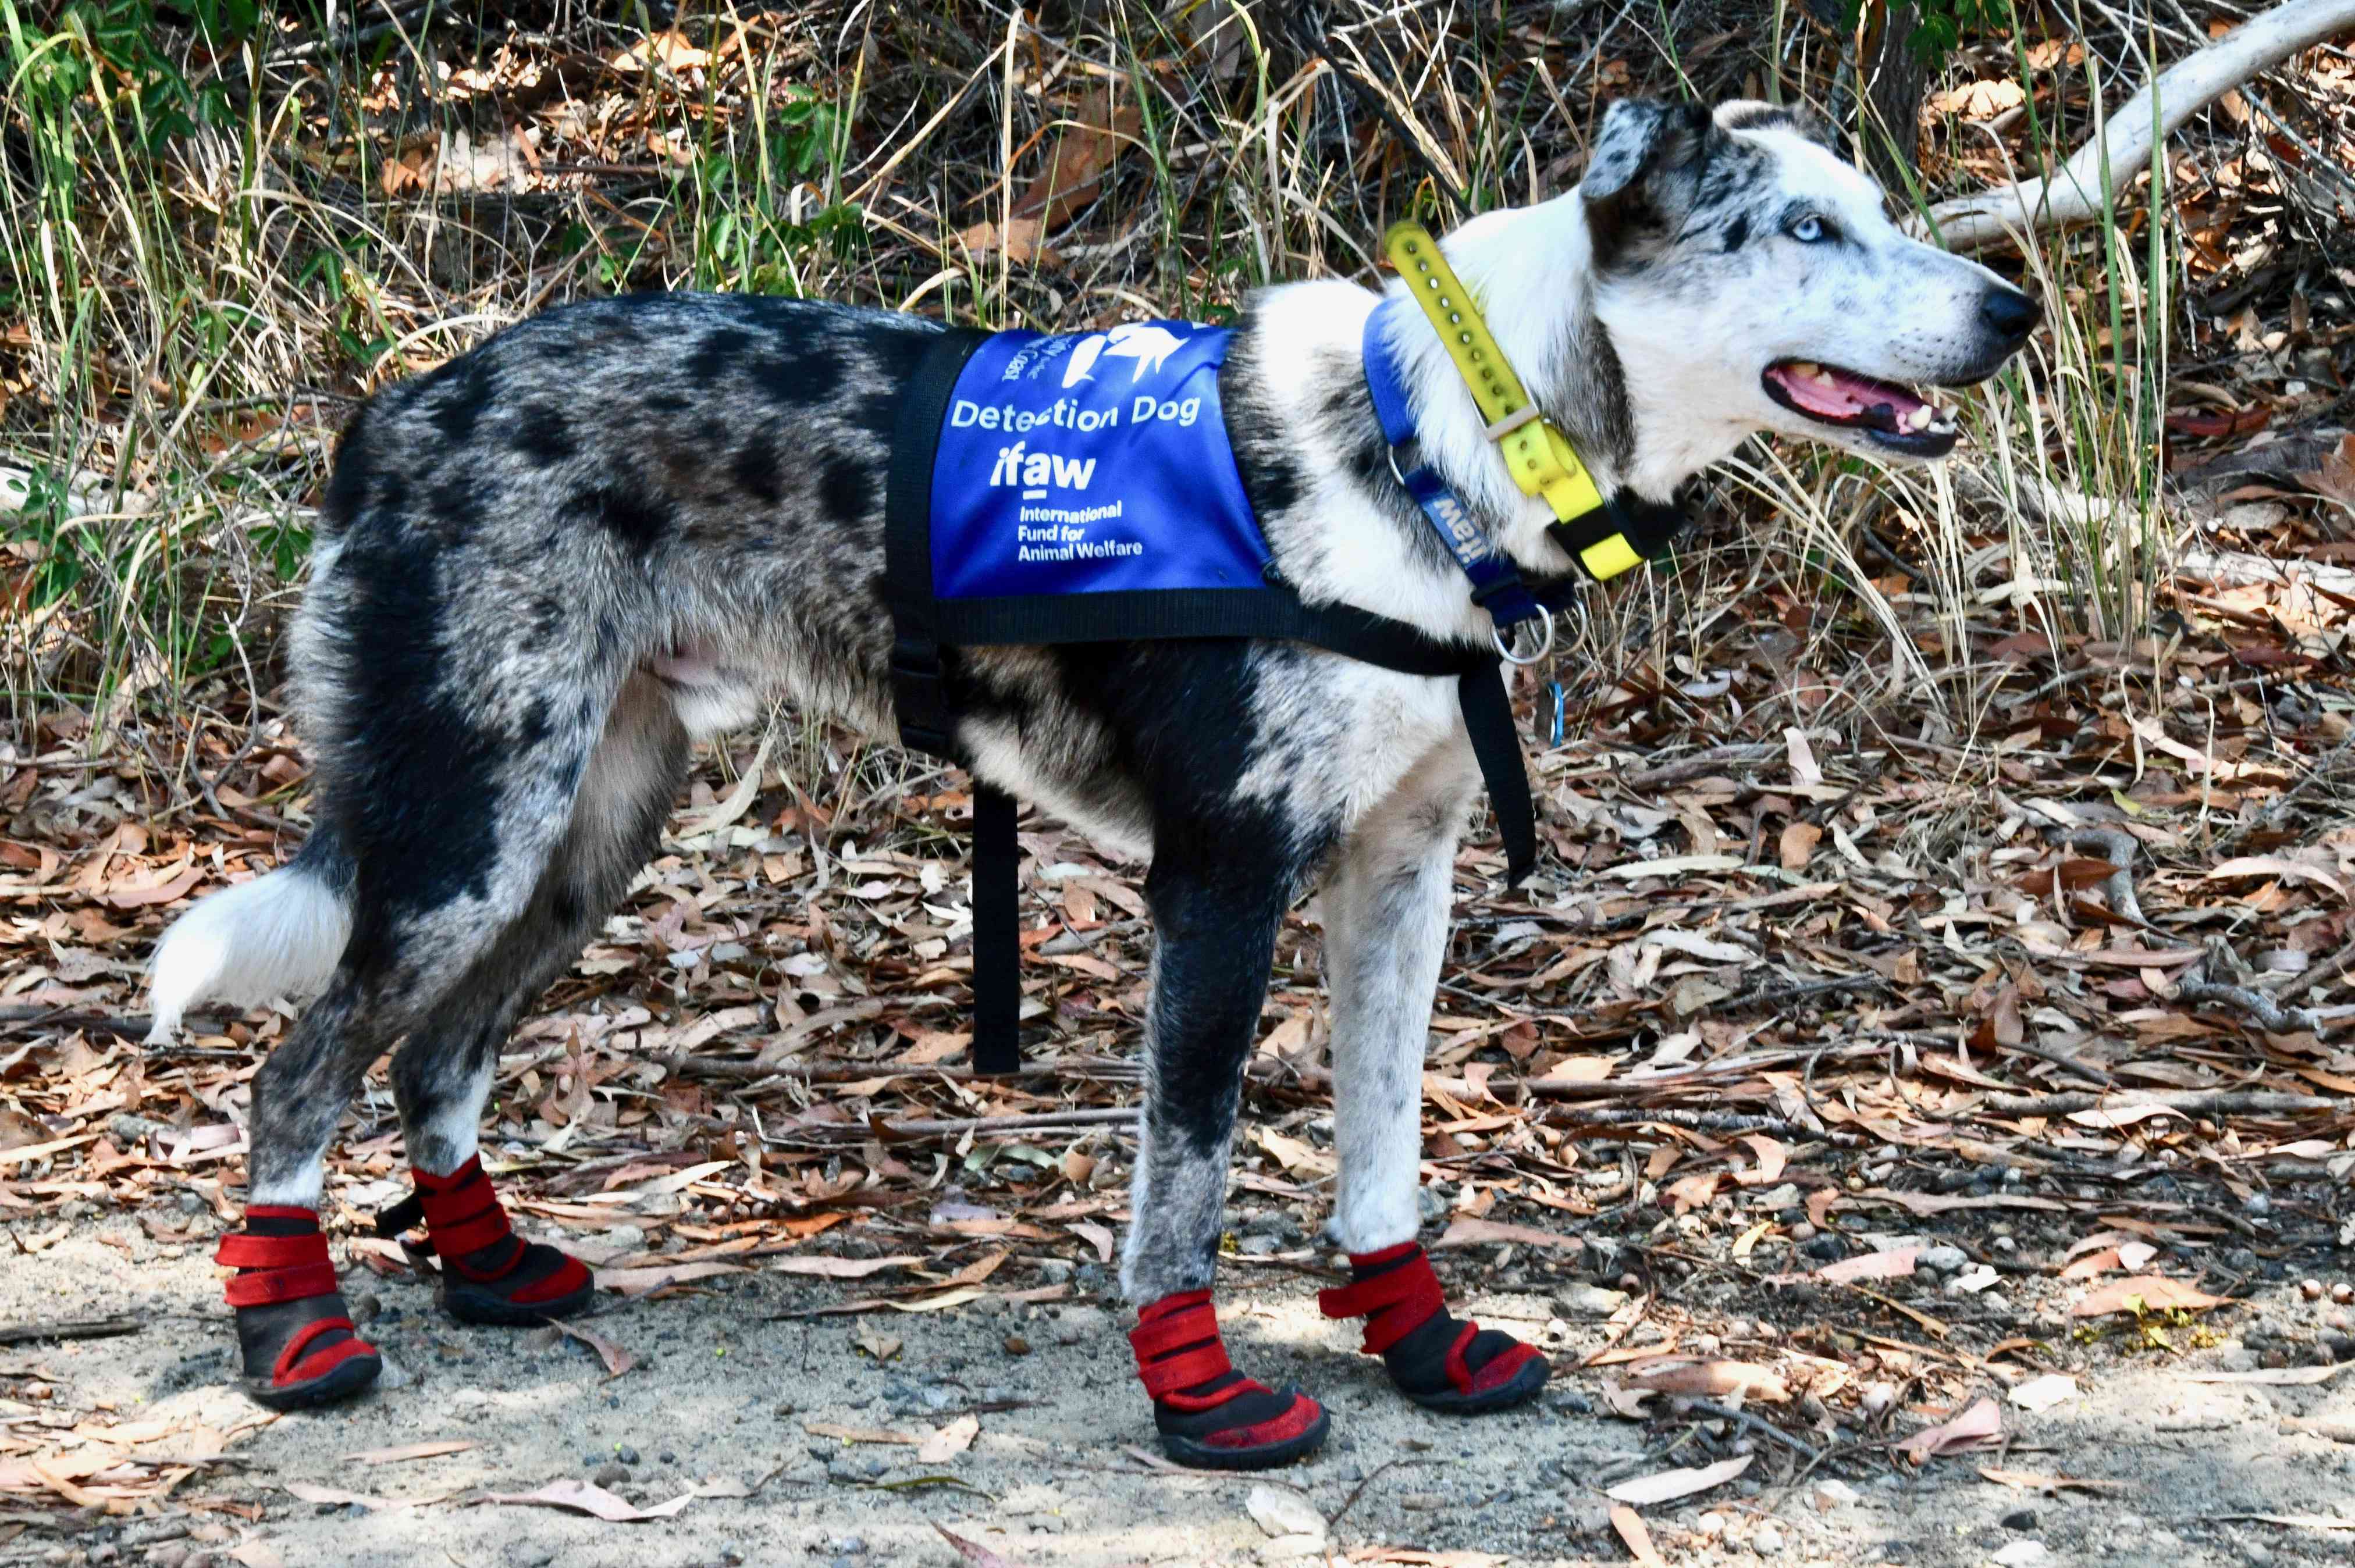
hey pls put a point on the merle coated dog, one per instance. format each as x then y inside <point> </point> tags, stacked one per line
<point>547,568</point>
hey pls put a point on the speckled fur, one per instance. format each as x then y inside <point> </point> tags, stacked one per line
<point>547,566</point>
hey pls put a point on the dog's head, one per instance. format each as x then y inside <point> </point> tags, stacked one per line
<point>1751,280</point>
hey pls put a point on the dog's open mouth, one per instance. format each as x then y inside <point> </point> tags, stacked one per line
<point>1892,415</point>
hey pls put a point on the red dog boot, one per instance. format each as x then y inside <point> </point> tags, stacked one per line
<point>1210,1416</point>
<point>489,1273</point>
<point>293,1331</point>
<point>1436,1361</point>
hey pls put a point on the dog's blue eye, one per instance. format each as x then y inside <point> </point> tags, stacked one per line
<point>1811,230</point>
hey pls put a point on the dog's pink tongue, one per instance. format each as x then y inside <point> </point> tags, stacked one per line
<point>1837,395</point>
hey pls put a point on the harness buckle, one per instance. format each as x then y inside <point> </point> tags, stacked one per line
<point>1505,642</point>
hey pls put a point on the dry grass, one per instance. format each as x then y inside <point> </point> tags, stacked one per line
<point>188,314</point>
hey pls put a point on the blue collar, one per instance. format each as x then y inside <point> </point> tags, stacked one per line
<point>1497,585</point>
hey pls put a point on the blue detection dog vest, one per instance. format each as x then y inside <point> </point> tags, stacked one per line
<point>1081,488</point>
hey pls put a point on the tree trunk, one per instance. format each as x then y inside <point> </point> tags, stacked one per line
<point>1891,124</point>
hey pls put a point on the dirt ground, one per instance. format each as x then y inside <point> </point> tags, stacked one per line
<point>741,1396</point>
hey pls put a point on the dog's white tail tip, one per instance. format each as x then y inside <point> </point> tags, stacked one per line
<point>277,936</point>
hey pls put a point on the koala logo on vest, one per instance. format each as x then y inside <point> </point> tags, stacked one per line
<point>1056,474</point>
<point>1147,344</point>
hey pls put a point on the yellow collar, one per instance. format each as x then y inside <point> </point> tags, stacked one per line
<point>1537,454</point>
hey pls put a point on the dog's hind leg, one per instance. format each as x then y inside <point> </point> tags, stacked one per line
<point>442,1075</point>
<point>1386,908</point>
<point>1216,907</point>
<point>450,843</point>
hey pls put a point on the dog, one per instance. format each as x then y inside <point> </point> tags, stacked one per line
<point>547,568</point>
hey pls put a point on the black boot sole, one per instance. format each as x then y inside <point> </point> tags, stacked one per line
<point>1196,1455</point>
<point>347,1378</point>
<point>471,1303</point>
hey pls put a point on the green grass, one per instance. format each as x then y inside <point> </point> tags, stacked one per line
<point>200,277</point>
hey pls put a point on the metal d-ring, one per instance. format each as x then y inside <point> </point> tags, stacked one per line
<point>1504,644</point>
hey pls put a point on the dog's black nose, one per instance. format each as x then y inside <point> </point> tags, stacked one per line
<point>2010,315</point>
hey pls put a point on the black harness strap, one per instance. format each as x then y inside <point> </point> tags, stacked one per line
<point>917,693</point>
<point>997,932</point>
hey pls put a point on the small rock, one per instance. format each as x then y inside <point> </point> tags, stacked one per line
<point>1016,1345</point>
<point>622,1238</point>
<point>1834,1493</point>
<point>1827,1246</point>
<point>2023,1554</point>
<point>1943,1259</point>
<point>1281,1512</point>
<point>1877,1398</point>
<point>611,1475</point>
<point>627,1454</point>
<point>2020,1519</point>
<point>392,1376</point>
<point>1055,1270</point>
<point>1588,1301</point>
<point>1260,1245</point>
<point>1710,1526</point>
<point>844,1473</point>
<point>1291,1548</point>
<point>365,1307</point>
<point>2258,1205</point>
<point>851,1546</point>
<point>1768,1542</point>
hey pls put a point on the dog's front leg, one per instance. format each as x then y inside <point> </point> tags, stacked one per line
<point>1216,906</point>
<point>1386,919</point>
<point>1386,908</point>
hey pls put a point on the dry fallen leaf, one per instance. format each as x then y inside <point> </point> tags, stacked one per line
<point>2147,1292</point>
<point>433,1449</point>
<point>1638,1539</point>
<point>1467,1231</point>
<point>1979,1424</point>
<point>972,1552</point>
<point>860,1434</point>
<point>2030,1480</point>
<point>2041,1394</point>
<point>949,1441</point>
<point>1669,1485</point>
<point>585,1497</point>
<point>639,1281</point>
<point>616,1359</point>
<point>1897,1263</point>
<point>840,1267</point>
<point>1710,1380</point>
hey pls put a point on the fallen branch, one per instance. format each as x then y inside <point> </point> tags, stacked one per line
<point>2269,1014</point>
<point>2118,847</point>
<point>2190,1102</point>
<point>2121,148</point>
<point>1035,1121</point>
<point>73,1329</point>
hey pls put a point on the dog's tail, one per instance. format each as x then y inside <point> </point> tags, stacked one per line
<point>279,935</point>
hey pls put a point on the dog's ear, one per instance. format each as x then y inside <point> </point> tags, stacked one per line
<point>1643,174</point>
<point>1750,114</point>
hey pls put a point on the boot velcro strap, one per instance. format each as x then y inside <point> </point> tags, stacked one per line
<point>243,1249</point>
<point>1394,1304</point>
<point>1177,1347</point>
<point>462,1212</point>
<point>1172,1323</point>
<point>268,1286</point>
